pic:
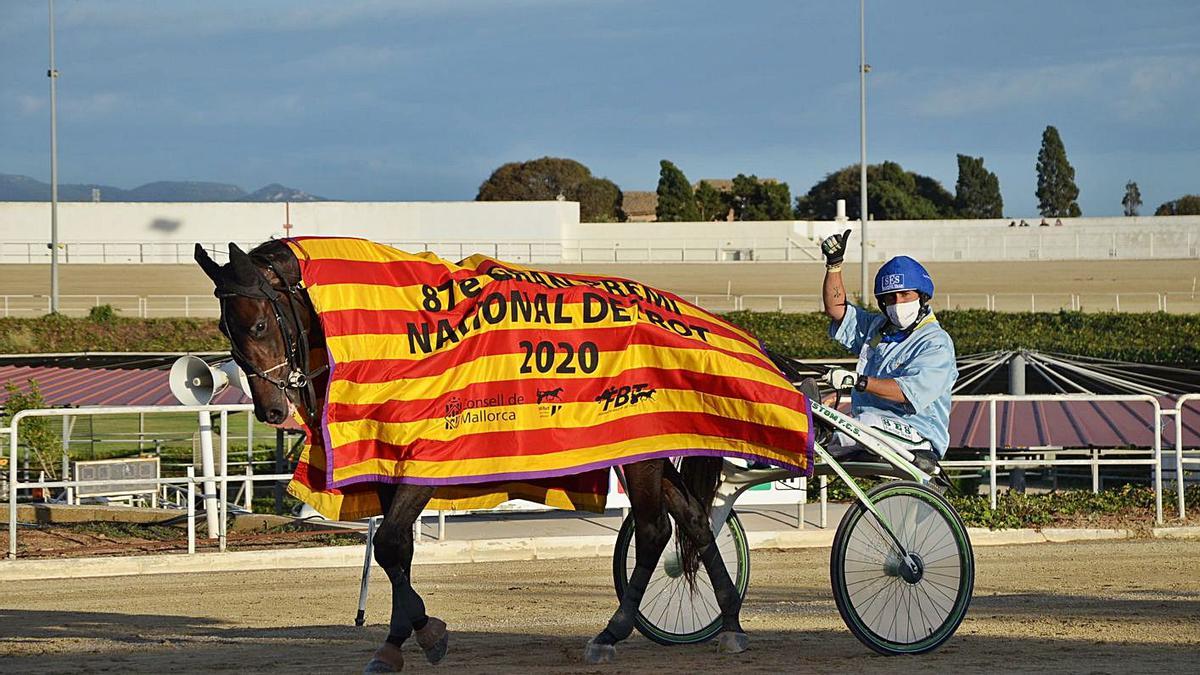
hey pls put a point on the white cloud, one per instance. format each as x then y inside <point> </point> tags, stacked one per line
<point>1128,86</point>
<point>30,105</point>
<point>217,17</point>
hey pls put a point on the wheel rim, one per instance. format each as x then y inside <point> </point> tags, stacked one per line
<point>669,606</point>
<point>894,603</point>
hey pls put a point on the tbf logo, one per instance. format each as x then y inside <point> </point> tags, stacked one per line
<point>893,282</point>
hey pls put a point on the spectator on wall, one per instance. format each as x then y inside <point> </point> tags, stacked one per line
<point>1058,222</point>
<point>1043,223</point>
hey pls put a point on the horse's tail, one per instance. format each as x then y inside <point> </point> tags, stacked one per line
<point>700,476</point>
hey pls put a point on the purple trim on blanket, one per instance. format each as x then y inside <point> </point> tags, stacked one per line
<point>534,475</point>
<point>811,435</point>
<point>325,420</point>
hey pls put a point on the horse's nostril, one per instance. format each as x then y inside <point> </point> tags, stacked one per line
<point>275,416</point>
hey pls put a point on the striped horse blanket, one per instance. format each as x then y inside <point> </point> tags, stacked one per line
<point>495,381</point>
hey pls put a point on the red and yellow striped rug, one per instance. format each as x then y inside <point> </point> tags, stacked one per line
<point>494,381</point>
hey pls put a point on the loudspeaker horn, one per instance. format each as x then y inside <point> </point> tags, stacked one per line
<point>194,382</point>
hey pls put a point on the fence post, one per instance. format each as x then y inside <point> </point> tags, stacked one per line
<point>1095,471</point>
<point>191,508</point>
<point>1179,457</point>
<point>803,501</point>
<point>824,502</point>
<point>206,463</point>
<point>1158,496</point>
<point>224,478</point>
<point>992,451</point>
<point>248,503</point>
<point>12,486</point>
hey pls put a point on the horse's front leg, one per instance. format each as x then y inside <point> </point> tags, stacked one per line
<point>394,551</point>
<point>652,530</point>
<point>694,523</point>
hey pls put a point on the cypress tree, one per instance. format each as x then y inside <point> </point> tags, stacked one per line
<point>676,203</point>
<point>977,193</point>
<point>711,204</point>
<point>1056,191</point>
<point>1132,200</point>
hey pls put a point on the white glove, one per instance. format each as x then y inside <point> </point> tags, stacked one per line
<point>841,379</point>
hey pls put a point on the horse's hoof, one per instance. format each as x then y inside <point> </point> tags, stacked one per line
<point>434,640</point>
<point>730,642</point>
<point>599,653</point>
<point>387,659</point>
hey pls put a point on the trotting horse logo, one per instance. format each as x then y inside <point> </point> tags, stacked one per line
<point>549,395</point>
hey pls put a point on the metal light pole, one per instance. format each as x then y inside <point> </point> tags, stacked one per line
<point>862,142</point>
<point>53,75</point>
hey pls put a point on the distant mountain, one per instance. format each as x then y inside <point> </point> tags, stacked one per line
<point>280,193</point>
<point>185,191</point>
<point>15,188</point>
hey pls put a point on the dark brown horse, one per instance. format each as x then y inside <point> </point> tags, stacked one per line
<point>276,338</point>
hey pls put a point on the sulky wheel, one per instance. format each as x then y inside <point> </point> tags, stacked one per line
<point>894,607</point>
<point>672,613</point>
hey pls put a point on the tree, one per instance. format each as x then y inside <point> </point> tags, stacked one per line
<point>1132,200</point>
<point>1056,190</point>
<point>1187,205</point>
<point>711,203</point>
<point>892,194</point>
<point>676,203</point>
<point>754,199</point>
<point>549,178</point>
<point>601,198</point>
<point>977,192</point>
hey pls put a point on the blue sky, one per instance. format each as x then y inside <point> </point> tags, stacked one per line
<point>402,100</point>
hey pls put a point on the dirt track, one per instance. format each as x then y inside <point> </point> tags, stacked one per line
<point>1125,276</point>
<point>1103,607</point>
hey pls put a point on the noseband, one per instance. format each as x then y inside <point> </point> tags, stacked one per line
<point>295,338</point>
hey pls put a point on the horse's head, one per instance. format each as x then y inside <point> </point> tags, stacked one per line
<point>268,319</point>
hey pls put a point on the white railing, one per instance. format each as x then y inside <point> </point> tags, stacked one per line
<point>993,463</point>
<point>1154,422</point>
<point>176,253</point>
<point>1000,244</point>
<point>206,306</point>
<point>140,306</point>
<point>15,484</point>
<point>1178,302</point>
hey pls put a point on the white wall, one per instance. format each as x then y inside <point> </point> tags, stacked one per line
<point>156,232</point>
<point>1166,237</point>
<point>548,232</point>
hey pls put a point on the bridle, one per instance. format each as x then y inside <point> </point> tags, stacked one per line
<point>295,338</point>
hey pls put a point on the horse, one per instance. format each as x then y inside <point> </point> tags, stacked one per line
<point>275,336</point>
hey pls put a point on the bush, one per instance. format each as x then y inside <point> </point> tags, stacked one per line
<point>1148,338</point>
<point>102,314</point>
<point>1154,337</point>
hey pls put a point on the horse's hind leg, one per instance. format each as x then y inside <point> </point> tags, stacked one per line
<point>693,521</point>
<point>394,551</point>
<point>652,530</point>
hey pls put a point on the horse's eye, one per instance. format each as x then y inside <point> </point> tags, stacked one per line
<point>260,327</point>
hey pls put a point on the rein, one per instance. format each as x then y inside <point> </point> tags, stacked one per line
<point>295,338</point>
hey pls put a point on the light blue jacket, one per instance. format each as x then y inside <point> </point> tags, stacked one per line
<point>923,364</point>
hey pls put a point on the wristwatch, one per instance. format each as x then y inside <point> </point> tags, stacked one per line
<point>861,383</point>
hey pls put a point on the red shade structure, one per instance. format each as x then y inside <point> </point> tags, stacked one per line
<point>77,387</point>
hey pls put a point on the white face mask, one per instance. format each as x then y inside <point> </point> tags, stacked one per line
<point>904,314</point>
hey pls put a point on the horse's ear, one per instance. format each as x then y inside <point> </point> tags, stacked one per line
<point>244,271</point>
<point>210,266</point>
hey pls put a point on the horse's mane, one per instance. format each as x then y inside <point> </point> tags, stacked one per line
<point>275,253</point>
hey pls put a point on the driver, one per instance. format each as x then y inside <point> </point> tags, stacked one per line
<point>906,365</point>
